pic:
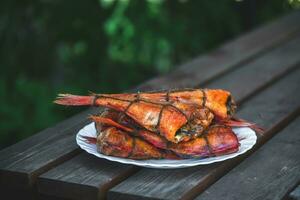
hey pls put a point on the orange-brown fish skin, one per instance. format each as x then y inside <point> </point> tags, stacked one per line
<point>177,115</point>
<point>149,115</point>
<point>160,118</point>
<point>115,142</point>
<point>166,120</point>
<point>151,137</point>
<point>217,140</point>
<point>220,102</point>
<point>222,140</point>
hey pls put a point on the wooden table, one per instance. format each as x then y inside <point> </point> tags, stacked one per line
<point>260,68</point>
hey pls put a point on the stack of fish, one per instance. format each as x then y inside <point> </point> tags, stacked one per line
<point>174,124</point>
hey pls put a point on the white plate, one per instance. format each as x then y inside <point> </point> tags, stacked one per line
<point>246,136</point>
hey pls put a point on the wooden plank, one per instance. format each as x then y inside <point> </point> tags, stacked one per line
<point>271,108</point>
<point>284,59</point>
<point>270,173</point>
<point>295,194</point>
<point>230,55</point>
<point>22,163</point>
<point>254,76</point>
<point>99,172</point>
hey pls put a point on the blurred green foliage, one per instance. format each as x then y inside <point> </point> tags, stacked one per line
<point>47,47</point>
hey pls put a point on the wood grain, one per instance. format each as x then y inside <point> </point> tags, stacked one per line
<point>284,59</point>
<point>83,177</point>
<point>271,108</point>
<point>229,56</point>
<point>21,163</point>
<point>268,174</point>
<point>248,79</point>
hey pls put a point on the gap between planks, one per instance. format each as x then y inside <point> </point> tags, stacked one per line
<point>280,73</point>
<point>255,51</point>
<point>290,63</point>
<point>122,190</point>
<point>270,173</point>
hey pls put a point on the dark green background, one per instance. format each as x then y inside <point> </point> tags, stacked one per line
<point>52,46</point>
